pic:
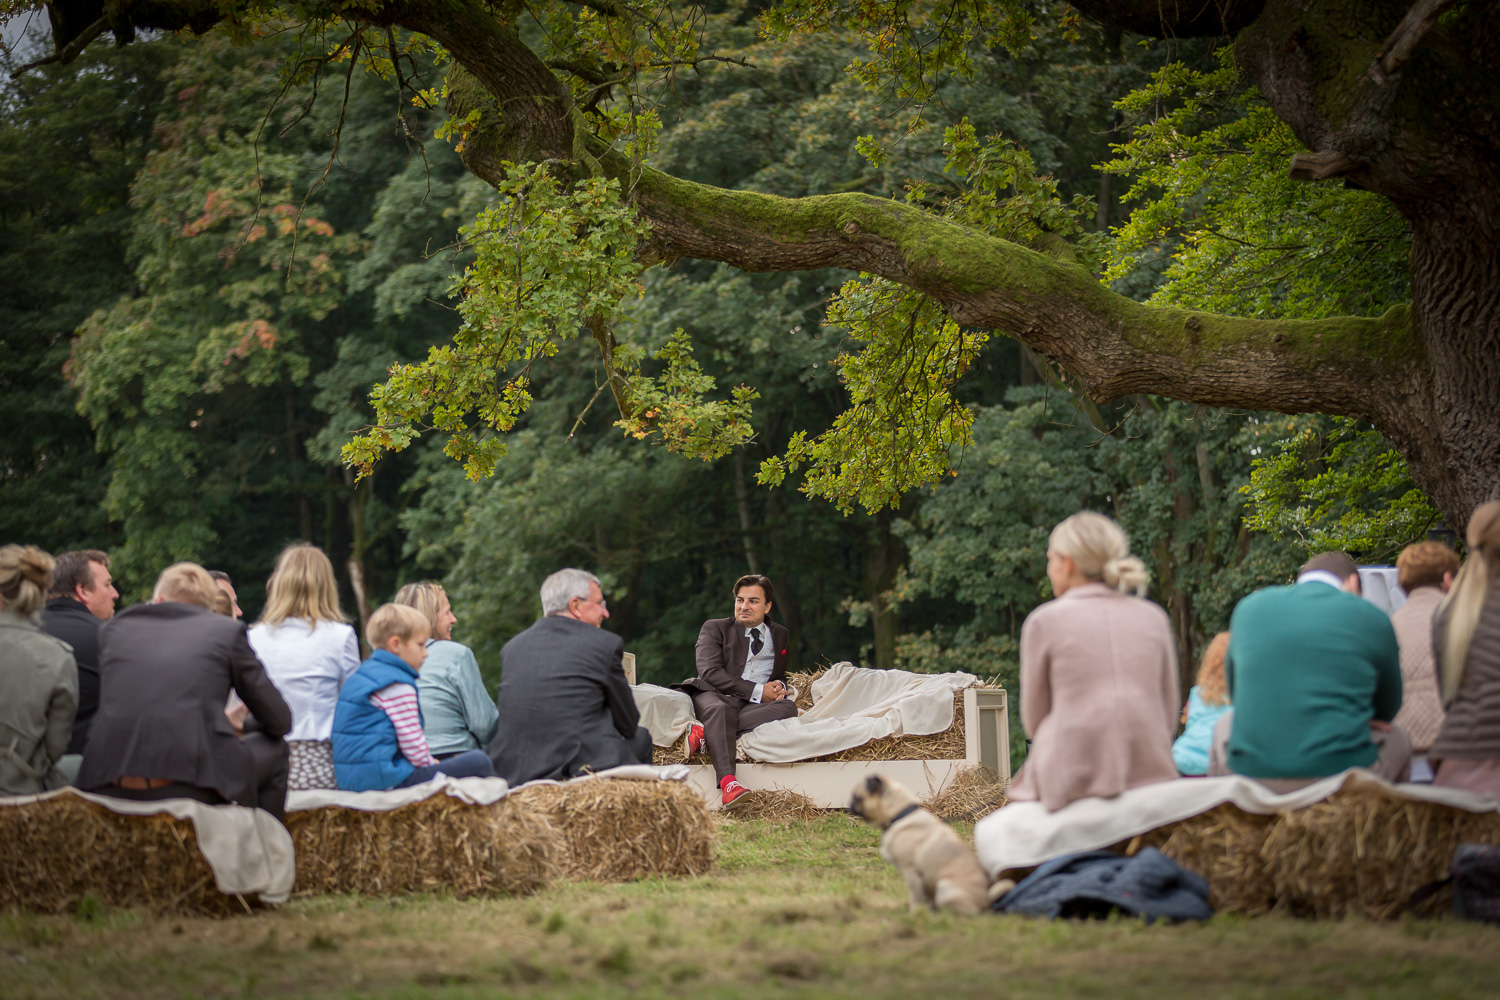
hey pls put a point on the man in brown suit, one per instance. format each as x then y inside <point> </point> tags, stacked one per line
<point>741,664</point>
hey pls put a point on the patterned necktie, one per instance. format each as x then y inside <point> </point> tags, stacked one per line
<point>756,642</point>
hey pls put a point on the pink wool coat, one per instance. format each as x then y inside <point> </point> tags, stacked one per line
<point>1099,697</point>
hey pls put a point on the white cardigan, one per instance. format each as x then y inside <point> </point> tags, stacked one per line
<point>308,665</point>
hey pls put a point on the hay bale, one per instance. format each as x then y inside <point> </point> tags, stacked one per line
<point>775,805</point>
<point>947,745</point>
<point>1361,851</point>
<point>974,793</point>
<point>619,831</point>
<point>55,852</point>
<point>505,849</point>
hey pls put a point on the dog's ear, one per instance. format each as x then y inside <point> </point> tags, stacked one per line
<point>873,784</point>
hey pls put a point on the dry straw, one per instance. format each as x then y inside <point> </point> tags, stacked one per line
<point>439,843</point>
<point>616,830</point>
<point>1362,851</point>
<point>973,793</point>
<point>947,745</point>
<point>776,806</point>
<point>55,852</point>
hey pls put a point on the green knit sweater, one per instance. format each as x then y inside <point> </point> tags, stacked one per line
<point>1308,667</point>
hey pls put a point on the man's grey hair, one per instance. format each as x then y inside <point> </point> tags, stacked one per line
<point>564,585</point>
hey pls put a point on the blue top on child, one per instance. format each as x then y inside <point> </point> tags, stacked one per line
<point>1190,752</point>
<point>366,753</point>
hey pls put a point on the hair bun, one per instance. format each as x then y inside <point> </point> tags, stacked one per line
<point>1127,574</point>
<point>36,566</point>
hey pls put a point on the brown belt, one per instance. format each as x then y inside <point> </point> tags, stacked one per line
<point>135,784</point>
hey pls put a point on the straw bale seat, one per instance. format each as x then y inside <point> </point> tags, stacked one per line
<point>607,830</point>
<point>1361,851</point>
<point>56,852</point>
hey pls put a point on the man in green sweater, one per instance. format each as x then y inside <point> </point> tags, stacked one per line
<point>1314,674</point>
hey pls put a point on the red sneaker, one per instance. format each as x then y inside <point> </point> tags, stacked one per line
<point>733,790</point>
<point>695,740</point>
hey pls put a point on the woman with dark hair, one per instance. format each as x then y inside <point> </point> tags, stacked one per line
<point>38,678</point>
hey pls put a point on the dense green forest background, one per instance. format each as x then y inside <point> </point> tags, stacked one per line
<point>207,271</point>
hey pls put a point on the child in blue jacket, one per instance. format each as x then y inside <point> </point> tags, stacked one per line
<point>377,724</point>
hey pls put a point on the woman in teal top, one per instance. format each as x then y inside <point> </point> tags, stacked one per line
<point>457,713</point>
<point>1207,702</point>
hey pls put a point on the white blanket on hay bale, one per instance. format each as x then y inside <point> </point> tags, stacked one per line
<point>249,852</point>
<point>1025,834</point>
<point>851,706</point>
<point>474,791</point>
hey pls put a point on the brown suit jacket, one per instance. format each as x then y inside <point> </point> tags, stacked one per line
<point>721,652</point>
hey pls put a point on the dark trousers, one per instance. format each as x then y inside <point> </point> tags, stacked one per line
<point>640,744</point>
<point>726,718</point>
<point>269,757</point>
<point>469,764</point>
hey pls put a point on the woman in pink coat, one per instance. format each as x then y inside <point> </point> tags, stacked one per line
<point>1099,689</point>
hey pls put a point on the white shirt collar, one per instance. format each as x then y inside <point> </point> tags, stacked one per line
<point>1322,576</point>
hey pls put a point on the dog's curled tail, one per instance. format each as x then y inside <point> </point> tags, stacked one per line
<point>1000,887</point>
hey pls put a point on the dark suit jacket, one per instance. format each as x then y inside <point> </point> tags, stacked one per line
<point>721,652</point>
<point>67,619</point>
<point>165,671</point>
<point>564,703</point>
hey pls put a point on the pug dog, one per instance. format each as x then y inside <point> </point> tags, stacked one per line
<point>939,868</point>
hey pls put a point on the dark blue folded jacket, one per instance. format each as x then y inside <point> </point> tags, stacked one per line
<point>1094,883</point>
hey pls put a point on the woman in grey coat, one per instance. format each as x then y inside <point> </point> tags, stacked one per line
<point>38,678</point>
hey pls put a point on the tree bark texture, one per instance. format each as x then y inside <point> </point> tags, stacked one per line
<point>1426,136</point>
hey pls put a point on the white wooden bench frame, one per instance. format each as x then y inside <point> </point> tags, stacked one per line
<point>830,783</point>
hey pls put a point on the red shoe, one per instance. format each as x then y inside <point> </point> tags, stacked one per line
<point>695,740</point>
<point>733,790</point>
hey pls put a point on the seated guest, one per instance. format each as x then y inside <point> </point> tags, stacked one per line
<point>741,684</point>
<point>457,714</point>
<point>1315,676</point>
<point>1425,571</point>
<point>38,678</point>
<point>1207,701</point>
<point>165,671</point>
<point>377,726</point>
<point>309,650</point>
<point>1099,692</point>
<point>1467,643</point>
<point>81,600</point>
<point>564,704</point>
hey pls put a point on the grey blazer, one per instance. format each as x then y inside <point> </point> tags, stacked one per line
<point>165,672</point>
<point>564,703</point>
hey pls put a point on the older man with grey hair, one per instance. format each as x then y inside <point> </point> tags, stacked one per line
<point>564,704</point>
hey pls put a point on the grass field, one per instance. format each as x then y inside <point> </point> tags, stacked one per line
<point>791,910</point>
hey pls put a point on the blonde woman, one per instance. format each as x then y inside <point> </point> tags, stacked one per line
<point>309,650</point>
<point>457,713</point>
<point>38,678</point>
<point>1466,639</point>
<point>1099,692</point>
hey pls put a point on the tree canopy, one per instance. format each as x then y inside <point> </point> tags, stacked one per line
<point>1385,97</point>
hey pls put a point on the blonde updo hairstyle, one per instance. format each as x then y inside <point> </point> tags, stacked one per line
<point>25,578</point>
<point>1101,551</point>
<point>427,597</point>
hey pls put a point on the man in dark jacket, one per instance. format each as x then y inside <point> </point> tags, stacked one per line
<point>565,706</point>
<point>81,600</point>
<point>166,670</point>
<point>741,680</point>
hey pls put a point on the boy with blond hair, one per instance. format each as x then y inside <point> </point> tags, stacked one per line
<point>377,724</point>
